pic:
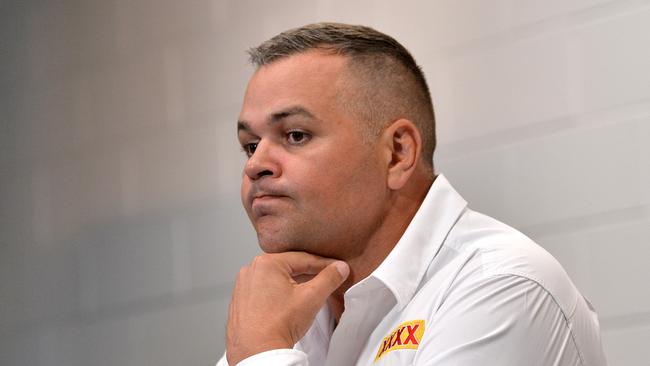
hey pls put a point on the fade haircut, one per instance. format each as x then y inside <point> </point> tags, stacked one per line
<point>384,83</point>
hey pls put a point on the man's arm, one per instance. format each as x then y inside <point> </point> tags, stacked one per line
<point>508,320</point>
<point>271,310</point>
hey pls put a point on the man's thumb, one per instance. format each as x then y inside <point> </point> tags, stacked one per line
<point>342,268</point>
<point>328,280</point>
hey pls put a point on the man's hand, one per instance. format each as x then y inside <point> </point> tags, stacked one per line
<point>270,309</point>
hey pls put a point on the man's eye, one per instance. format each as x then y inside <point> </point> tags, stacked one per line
<point>249,149</point>
<point>297,137</point>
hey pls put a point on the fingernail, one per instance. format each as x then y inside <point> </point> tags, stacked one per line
<point>343,268</point>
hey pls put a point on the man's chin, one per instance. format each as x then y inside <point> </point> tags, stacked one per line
<point>283,246</point>
<point>277,247</point>
<point>271,241</point>
<point>273,235</point>
<point>281,238</point>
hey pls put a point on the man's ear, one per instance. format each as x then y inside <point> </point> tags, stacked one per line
<point>403,142</point>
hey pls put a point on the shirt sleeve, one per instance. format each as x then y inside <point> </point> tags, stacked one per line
<point>503,320</point>
<point>276,357</point>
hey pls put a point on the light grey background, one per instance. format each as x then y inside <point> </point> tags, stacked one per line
<point>120,223</point>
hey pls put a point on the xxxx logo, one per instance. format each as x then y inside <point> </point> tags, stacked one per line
<point>407,335</point>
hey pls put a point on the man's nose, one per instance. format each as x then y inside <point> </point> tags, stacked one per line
<point>262,163</point>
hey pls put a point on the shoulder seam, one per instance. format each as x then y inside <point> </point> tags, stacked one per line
<point>567,318</point>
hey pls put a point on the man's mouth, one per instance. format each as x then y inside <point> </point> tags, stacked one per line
<point>266,197</point>
<point>265,203</point>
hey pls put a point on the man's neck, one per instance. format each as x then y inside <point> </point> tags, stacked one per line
<point>383,240</point>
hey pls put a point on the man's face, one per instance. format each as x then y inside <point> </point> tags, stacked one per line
<point>310,182</point>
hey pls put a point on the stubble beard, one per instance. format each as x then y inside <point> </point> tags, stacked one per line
<point>324,239</point>
<point>281,237</point>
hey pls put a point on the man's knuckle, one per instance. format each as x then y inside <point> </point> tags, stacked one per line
<point>257,258</point>
<point>262,259</point>
<point>242,272</point>
<point>256,262</point>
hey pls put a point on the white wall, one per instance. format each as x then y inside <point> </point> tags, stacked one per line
<point>120,223</point>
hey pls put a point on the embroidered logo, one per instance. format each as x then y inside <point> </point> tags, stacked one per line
<point>407,335</point>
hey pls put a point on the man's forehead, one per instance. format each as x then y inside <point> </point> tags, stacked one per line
<point>309,80</point>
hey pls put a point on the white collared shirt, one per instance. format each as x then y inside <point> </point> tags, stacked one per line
<point>461,289</point>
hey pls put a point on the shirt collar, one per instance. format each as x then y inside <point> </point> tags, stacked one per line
<point>404,267</point>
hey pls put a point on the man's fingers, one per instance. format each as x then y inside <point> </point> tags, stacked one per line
<point>303,278</point>
<point>327,281</point>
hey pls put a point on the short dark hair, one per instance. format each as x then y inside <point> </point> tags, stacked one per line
<point>392,84</point>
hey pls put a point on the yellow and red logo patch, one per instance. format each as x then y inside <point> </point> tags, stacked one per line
<point>407,335</point>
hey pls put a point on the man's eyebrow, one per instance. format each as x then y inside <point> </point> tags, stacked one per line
<point>290,112</point>
<point>243,126</point>
<point>279,116</point>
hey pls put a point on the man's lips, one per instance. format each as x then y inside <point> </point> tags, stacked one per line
<point>261,200</point>
<point>266,197</point>
<point>261,192</point>
<point>264,200</point>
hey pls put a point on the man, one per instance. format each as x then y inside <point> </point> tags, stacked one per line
<point>371,258</point>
